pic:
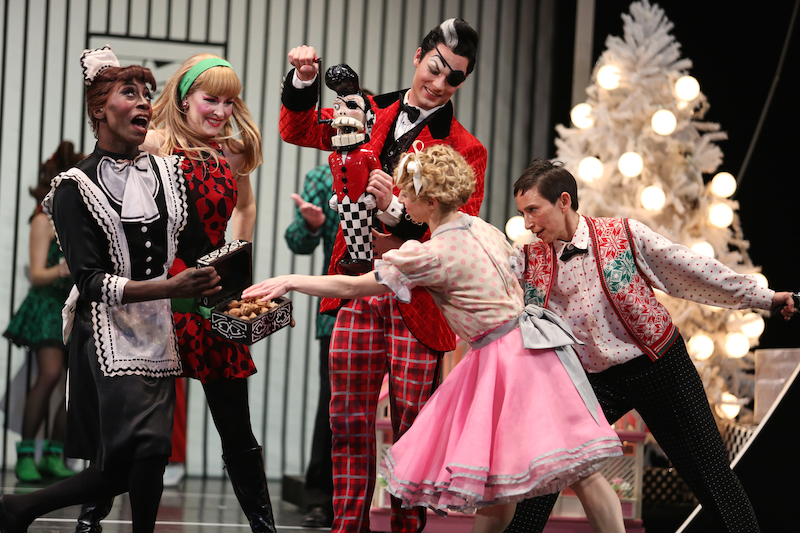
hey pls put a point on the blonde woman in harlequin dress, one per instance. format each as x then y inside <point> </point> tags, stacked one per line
<point>516,417</point>
<point>195,116</point>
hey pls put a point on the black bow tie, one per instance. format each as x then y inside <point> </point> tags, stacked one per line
<point>571,250</point>
<point>411,111</point>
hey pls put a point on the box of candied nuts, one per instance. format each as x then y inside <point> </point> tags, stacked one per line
<point>242,321</point>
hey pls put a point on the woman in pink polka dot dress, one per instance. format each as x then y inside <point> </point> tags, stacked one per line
<point>516,417</point>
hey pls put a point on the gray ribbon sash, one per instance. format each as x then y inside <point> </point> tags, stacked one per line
<point>542,329</point>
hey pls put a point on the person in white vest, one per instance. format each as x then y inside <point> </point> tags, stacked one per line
<point>598,274</point>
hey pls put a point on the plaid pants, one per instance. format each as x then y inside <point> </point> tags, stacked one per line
<point>370,339</point>
<point>669,395</point>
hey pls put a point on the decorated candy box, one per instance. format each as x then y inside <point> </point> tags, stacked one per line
<point>242,321</point>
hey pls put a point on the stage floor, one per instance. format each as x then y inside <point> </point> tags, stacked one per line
<point>194,506</point>
<point>208,505</point>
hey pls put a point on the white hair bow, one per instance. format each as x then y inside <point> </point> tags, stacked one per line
<point>414,167</point>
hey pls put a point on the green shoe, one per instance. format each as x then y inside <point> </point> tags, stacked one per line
<point>26,464</point>
<point>52,463</point>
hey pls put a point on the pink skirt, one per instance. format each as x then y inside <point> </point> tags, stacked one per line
<point>507,424</point>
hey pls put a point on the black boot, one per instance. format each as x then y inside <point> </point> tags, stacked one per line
<point>91,514</point>
<point>246,470</point>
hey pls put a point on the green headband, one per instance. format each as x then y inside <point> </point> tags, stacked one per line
<point>195,71</point>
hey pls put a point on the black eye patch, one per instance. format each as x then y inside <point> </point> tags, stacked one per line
<point>456,77</point>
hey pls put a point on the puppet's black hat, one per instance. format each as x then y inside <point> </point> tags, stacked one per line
<point>342,79</point>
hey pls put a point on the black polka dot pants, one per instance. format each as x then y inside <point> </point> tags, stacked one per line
<point>669,395</point>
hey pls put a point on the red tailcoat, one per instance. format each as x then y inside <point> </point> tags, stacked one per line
<point>298,125</point>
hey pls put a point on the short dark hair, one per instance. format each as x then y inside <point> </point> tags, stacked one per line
<point>461,38</point>
<point>550,179</point>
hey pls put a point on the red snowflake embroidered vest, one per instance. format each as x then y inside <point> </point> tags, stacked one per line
<point>646,320</point>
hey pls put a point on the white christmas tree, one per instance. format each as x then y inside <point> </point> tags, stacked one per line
<point>640,149</point>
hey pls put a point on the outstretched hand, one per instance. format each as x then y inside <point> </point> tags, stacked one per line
<point>269,289</point>
<point>786,303</point>
<point>313,214</point>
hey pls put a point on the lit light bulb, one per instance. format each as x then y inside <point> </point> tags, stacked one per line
<point>728,408</point>
<point>515,228</point>
<point>580,116</point>
<point>663,122</point>
<point>687,88</point>
<point>761,279</point>
<point>704,248</point>
<point>723,184</point>
<point>630,164</point>
<point>608,77</point>
<point>700,346</point>
<point>590,169</point>
<point>736,344</point>
<point>720,215</point>
<point>752,325</point>
<point>653,198</point>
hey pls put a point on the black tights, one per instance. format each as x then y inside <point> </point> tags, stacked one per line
<point>230,409</point>
<point>142,478</point>
<point>50,361</point>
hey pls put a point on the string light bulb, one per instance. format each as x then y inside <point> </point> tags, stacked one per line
<point>653,198</point>
<point>736,344</point>
<point>700,347</point>
<point>723,184</point>
<point>687,88</point>
<point>515,228</point>
<point>752,325</point>
<point>630,164</point>
<point>704,248</point>
<point>728,408</point>
<point>760,278</point>
<point>608,77</point>
<point>663,122</point>
<point>720,214</point>
<point>580,116</point>
<point>590,169</point>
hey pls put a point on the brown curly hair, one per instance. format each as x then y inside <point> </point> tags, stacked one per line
<point>445,175</point>
<point>64,158</point>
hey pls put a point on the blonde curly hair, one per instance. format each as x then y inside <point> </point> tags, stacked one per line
<point>445,176</point>
<point>240,133</point>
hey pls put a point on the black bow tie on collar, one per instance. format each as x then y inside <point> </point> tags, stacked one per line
<point>571,250</point>
<point>411,111</point>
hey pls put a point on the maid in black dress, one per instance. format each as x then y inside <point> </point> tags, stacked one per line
<point>121,217</point>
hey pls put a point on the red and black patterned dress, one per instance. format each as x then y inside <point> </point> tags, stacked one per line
<point>205,356</point>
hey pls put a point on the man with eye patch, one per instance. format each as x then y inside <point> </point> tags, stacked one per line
<point>376,335</point>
